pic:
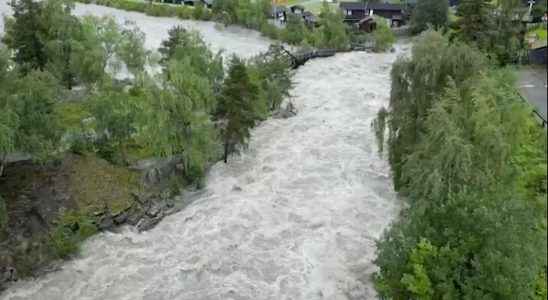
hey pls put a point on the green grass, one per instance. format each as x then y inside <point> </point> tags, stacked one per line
<point>96,184</point>
<point>540,32</point>
<point>72,113</point>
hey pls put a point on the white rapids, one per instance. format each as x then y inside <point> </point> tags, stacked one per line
<point>313,196</point>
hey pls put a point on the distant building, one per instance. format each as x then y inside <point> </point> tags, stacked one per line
<point>280,13</point>
<point>354,12</point>
<point>208,3</point>
<point>297,9</point>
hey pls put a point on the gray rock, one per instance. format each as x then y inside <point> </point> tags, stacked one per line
<point>153,211</point>
<point>170,203</point>
<point>134,218</point>
<point>121,217</point>
<point>8,274</point>
<point>161,205</point>
<point>236,188</point>
<point>106,223</point>
<point>148,223</point>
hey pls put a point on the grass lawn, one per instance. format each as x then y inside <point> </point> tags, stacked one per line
<point>541,32</point>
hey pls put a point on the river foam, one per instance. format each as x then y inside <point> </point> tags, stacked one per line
<point>295,217</point>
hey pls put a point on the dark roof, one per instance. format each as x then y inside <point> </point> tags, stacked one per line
<point>279,9</point>
<point>353,5</point>
<point>311,18</point>
<point>386,6</point>
<point>367,19</point>
<point>297,6</point>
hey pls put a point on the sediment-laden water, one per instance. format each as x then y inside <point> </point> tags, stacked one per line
<point>295,217</point>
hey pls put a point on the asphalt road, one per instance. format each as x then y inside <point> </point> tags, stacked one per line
<point>532,86</point>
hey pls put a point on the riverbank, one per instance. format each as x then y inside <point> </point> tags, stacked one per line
<point>236,210</point>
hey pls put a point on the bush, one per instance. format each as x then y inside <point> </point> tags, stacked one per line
<point>70,231</point>
<point>82,145</point>
<point>383,38</point>
<point>175,186</point>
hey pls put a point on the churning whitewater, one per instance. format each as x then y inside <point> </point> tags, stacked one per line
<point>295,217</point>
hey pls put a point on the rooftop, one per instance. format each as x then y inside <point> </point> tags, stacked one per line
<point>353,5</point>
<point>279,9</point>
<point>386,6</point>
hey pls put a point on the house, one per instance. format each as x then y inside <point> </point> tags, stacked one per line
<point>367,24</point>
<point>354,12</point>
<point>297,9</point>
<point>208,3</point>
<point>395,13</point>
<point>310,19</point>
<point>279,13</point>
<point>189,2</point>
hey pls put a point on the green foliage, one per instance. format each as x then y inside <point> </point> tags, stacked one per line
<point>432,13</point>
<point>175,186</point>
<point>294,30</point>
<point>383,38</point>
<point>35,102</point>
<point>415,86</point>
<point>25,34</point>
<point>492,28</point>
<point>236,104</point>
<point>70,231</point>
<point>332,31</point>
<point>470,230</point>
<point>115,113</point>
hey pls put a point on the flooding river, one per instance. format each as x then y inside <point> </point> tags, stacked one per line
<point>313,196</point>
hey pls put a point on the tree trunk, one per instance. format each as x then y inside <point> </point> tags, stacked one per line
<point>124,152</point>
<point>226,152</point>
<point>2,160</point>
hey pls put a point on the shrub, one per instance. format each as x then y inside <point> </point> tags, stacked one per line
<point>175,186</point>
<point>71,230</point>
<point>82,145</point>
<point>383,38</point>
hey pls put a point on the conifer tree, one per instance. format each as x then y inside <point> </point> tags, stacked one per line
<point>237,106</point>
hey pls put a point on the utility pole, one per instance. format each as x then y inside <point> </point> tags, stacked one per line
<point>531,2</point>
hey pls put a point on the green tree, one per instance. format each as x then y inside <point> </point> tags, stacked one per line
<point>294,30</point>
<point>97,50</point>
<point>25,34</point>
<point>237,106</point>
<point>332,30</point>
<point>115,113</point>
<point>131,48</point>
<point>65,32</point>
<point>225,10</point>
<point>383,38</point>
<point>415,84</point>
<point>9,121</point>
<point>429,12</point>
<point>469,231</point>
<point>492,28</point>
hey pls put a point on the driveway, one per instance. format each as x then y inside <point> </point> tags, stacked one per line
<point>532,86</point>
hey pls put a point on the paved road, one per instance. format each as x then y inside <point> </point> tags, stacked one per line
<point>532,86</point>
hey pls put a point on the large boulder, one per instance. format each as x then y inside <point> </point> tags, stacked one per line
<point>156,172</point>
